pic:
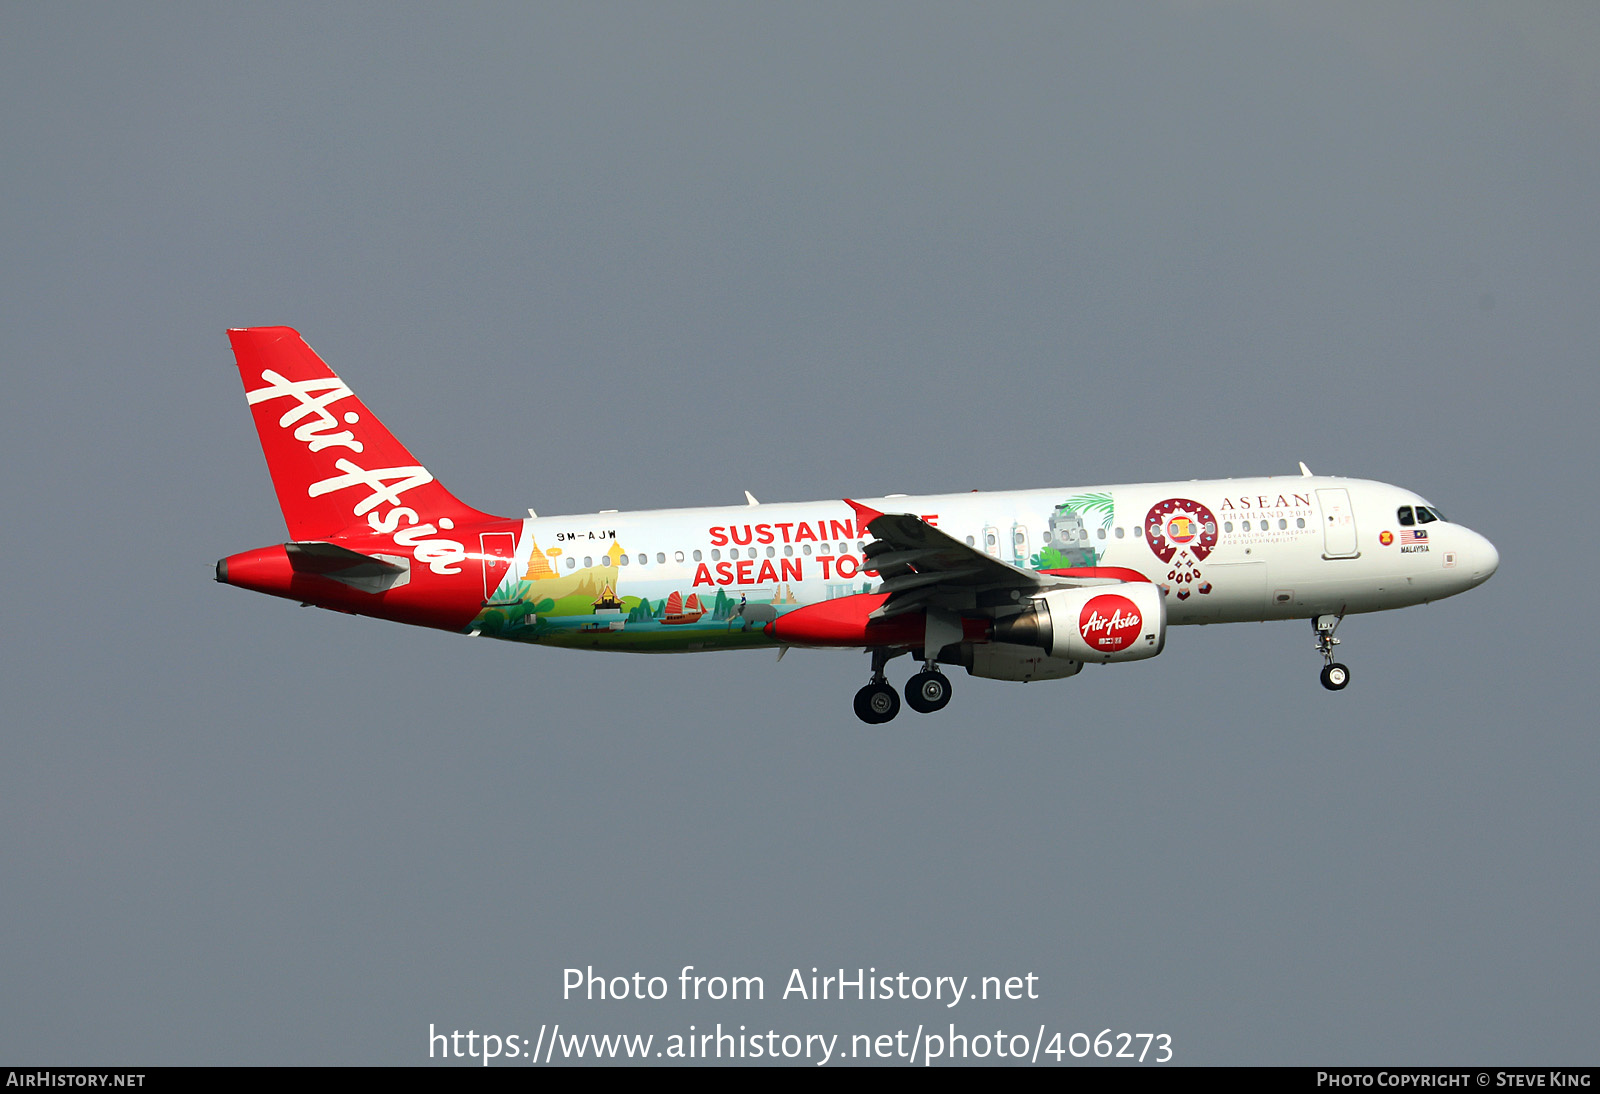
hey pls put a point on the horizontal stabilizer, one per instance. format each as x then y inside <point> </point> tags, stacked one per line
<point>321,558</point>
<point>369,573</point>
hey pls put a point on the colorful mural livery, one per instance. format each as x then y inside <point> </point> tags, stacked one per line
<point>749,572</point>
<point>1068,540</point>
<point>640,603</point>
<point>1020,585</point>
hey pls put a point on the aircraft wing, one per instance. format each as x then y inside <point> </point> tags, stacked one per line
<point>921,567</point>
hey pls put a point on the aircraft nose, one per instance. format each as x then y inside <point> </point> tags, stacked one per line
<point>1482,558</point>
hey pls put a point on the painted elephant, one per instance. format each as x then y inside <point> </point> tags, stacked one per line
<point>759,614</point>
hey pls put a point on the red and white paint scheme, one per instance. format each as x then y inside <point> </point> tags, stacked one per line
<point>1024,585</point>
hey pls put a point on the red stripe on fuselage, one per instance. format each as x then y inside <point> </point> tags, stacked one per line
<point>843,622</point>
<point>1113,573</point>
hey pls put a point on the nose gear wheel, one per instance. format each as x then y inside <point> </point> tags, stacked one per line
<point>1335,676</point>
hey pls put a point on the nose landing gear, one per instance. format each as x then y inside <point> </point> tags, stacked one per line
<point>1334,675</point>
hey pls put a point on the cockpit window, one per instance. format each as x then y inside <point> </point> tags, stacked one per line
<point>1426,515</point>
<point>1405,517</point>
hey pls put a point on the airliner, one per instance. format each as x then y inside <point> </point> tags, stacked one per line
<point>1018,585</point>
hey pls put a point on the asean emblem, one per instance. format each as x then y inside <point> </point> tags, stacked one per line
<point>1182,533</point>
<point>1386,538</point>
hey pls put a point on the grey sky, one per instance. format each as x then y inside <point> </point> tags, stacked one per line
<point>615,256</point>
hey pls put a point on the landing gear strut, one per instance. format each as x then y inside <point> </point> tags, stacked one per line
<point>1334,675</point>
<point>877,702</point>
<point>928,690</point>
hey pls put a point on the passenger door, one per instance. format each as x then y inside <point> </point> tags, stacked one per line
<point>1338,524</point>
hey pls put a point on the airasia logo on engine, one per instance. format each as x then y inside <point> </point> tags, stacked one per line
<point>1109,623</point>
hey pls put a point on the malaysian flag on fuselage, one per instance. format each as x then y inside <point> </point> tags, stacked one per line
<point>1413,535</point>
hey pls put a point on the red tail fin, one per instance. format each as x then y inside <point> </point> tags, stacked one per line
<point>336,469</point>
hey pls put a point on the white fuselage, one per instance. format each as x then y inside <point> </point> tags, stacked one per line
<point>1227,550</point>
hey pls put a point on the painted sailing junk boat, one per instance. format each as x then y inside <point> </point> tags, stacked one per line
<point>681,611</point>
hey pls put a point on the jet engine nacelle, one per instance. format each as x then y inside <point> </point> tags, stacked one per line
<point>1122,622</point>
<point>1004,661</point>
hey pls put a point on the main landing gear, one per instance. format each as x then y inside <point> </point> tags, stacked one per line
<point>1334,675</point>
<point>926,692</point>
<point>877,703</point>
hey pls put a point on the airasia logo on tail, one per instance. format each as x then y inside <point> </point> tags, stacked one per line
<point>314,400</point>
<point>1109,623</point>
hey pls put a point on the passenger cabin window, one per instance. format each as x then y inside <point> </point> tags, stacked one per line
<point>622,560</point>
<point>697,556</point>
<point>1405,517</point>
<point>716,555</point>
<point>661,557</point>
<point>644,560</point>
<point>1119,533</point>
<point>971,542</point>
<point>677,556</point>
<point>1227,526</point>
